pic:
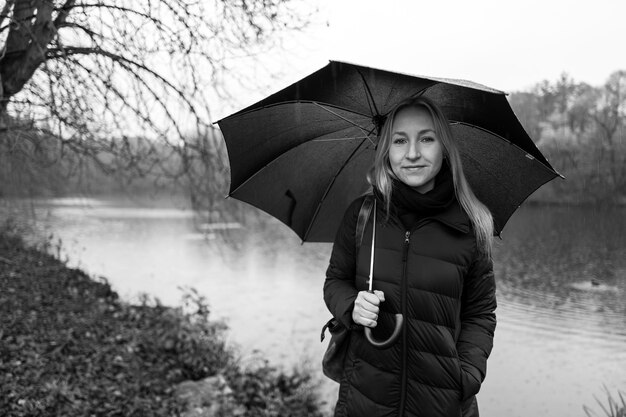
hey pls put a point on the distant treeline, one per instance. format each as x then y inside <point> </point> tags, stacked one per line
<point>38,164</point>
<point>580,128</point>
<point>582,131</point>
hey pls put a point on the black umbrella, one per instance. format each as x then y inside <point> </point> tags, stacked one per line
<point>302,153</point>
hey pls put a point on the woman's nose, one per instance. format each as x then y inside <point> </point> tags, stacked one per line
<point>413,152</point>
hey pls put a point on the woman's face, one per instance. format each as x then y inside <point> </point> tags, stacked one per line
<point>415,152</point>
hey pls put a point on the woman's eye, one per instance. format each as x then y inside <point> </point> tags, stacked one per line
<point>399,141</point>
<point>428,139</point>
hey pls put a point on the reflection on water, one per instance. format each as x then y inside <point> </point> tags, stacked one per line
<point>561,274</point>
<point>562,317</point>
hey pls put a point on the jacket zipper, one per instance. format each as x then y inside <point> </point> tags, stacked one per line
<point>405,252</point>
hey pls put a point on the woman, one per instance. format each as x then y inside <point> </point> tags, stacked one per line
<point>432,264</point>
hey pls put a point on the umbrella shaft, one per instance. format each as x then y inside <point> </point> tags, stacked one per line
<point>371,280</point>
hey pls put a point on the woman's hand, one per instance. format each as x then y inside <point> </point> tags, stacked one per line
<point>366,309</point>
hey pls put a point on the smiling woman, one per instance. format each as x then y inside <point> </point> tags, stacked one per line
<point>416,153</point>
<point>433,267</point>
<point>424,121</point>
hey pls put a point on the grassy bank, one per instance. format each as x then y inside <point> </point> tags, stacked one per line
<point>69,346</point>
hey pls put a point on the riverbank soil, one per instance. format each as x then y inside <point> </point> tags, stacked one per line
<point>69,346</point>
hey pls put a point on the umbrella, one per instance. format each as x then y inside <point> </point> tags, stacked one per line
<point>301,154</point>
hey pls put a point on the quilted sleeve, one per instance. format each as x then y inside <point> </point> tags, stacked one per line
<point>478,324</point>
<point>339,289</point>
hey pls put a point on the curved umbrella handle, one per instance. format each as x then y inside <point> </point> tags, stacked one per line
<point>384,344</point>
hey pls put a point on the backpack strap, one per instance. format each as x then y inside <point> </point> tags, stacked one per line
<point>364,214</point>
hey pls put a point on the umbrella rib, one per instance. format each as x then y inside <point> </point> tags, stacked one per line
<point>528,155</point>
<point>361,128</point>
<point>268,106</point>
<point>258,171</point>
<point>339,139</point>
<point>330,184</point>
<point>369,94</point>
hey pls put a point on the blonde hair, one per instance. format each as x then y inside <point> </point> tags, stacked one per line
<point>380,175</point>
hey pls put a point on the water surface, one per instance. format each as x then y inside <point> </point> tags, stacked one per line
<point>561,276</point>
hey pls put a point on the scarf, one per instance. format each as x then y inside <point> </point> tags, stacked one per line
<point>410,205</point>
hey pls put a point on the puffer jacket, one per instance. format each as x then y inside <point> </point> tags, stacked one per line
<point>434,276</point>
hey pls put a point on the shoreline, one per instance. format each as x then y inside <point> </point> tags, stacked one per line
<point>70,346</point>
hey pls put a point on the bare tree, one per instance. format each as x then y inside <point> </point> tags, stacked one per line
<point>127,85</point>
<point>582,129</point>
<point>610,117</point>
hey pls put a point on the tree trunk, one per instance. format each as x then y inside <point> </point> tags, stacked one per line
<point>26,44</point>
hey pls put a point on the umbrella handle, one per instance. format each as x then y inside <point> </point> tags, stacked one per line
<point>384,344</point>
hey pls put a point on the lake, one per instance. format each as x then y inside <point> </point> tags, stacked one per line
<point>560,270</point>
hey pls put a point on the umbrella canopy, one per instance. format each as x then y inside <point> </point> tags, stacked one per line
<point>302,154</point>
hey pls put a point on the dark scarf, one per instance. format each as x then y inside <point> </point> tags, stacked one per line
<point>411,205</point>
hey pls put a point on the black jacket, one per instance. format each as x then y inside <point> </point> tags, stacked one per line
<point>434,276</point>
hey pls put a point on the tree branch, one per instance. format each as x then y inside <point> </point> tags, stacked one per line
<point>53,53</point>
<point>64,13</point>
<point>5,11</point>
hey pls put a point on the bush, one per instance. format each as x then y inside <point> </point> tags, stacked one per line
<point>69,346</point>
<point>265,391</point>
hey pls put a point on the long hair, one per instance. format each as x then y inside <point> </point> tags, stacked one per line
<point>380,175</point>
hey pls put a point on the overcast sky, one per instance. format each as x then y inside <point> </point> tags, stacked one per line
<point>503,44</point>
